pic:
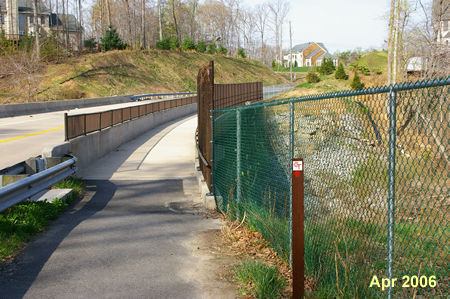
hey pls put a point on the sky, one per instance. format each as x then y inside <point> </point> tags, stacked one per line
<point>339,24</point>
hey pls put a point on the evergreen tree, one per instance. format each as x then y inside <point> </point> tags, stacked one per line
<point>295,63</point>
<point>356,82</point>
<point>201,47</point>
<point>312,77</point>
<point>111,40</point>
<point>241,53</point>
<point>327,66</point>
<point>222,50</point>
<point>212,49</point>
<point>188,44</point>
<point>340,73</point>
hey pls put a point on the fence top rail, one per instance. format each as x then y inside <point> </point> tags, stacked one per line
<point>346,93</point>
<point>128,107</point>
<point>163,94</point>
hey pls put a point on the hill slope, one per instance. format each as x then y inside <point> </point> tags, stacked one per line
<point>133,72</point>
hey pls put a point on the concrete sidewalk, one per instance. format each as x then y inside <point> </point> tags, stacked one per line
<point>131,235</point>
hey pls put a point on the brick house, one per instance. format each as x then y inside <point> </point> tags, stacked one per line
<point>17,19</point>
<point>309,54</point>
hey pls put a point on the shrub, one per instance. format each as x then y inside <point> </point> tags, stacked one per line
<point>212,49</point>
<point>273,64</point>
<point>90,43</point>
<point>188,44</point>
<point>356,82</point>
<point>295,63</point>
<point>364,70</point>
<point>340,73</point>
<point>222,50</point>
<point>111,40</point>
<point>168,43</point>
<point>201,47</point>
<point>312,77</point>
<point>327,66</point>
<point>241,53</point>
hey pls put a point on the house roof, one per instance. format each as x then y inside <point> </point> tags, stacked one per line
<point>326,55</point>
<point>301,47</point>
<point>26,6</point>
<point>313,53</point>
<point>72,22</point>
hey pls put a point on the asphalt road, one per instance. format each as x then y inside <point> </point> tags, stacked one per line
<point>22,137</point>
<point>129,236</point>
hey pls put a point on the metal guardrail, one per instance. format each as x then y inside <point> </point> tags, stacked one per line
<point>25,188</point>
<point>274,90</point>
<point>82,124</point>
<point>153,96</point>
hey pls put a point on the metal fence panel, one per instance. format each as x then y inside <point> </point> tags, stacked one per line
<point>376,172</point>
<point>82,124</point>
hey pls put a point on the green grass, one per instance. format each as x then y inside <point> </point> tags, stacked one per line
<point>20,222</point>
<point>375,60</point>
<point>305,85</point>
<point>75,184</point>
<point>299,69</point>
<point>260,280</point>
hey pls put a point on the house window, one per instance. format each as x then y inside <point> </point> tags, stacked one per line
<point>42,20</point>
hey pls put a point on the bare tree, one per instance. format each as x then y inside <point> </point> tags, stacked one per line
<point>160,20</point>
<point>261,13</point>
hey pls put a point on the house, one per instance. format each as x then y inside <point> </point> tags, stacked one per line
<point>309,54</point>
<point>441,21</point>
<point>17,19</point>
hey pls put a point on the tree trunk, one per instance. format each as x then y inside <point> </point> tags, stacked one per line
<point>108,11</point>
<point>390,45</point>
<point>36,27</point>
<point>159,20</point>
<point>175,20</point>
<point>127,3</point>
<point>80,45</point>
<point>396,37</point>
<point>143,24</point>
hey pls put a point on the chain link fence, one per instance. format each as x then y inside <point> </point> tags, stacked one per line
<point>376,172</point>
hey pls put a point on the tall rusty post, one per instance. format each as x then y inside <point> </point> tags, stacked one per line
<point>205,94</point>
<point>298,249</point>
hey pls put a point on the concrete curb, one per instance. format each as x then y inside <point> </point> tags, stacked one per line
<point>11,110</point>
<point>207,200</point>
<point>93,146</point>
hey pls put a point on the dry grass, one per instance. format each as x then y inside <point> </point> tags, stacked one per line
<point>135,72</point>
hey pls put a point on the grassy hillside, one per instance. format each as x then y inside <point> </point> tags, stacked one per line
<point>375,61</point>
<point>132,72</point>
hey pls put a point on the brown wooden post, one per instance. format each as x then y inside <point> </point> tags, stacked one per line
<point>298,249</point>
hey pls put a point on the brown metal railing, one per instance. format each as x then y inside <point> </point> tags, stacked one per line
<point>82,124</point>
<point>217,96</point>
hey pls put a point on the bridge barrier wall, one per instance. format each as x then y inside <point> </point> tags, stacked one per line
<point>10,110</point>
<point>93,146</point>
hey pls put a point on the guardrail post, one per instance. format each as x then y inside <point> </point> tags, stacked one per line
<point>391,184</point>
<point>66,127</point>
<point>298,249</point>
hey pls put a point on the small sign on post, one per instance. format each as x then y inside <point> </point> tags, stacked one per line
<point>298,250</point>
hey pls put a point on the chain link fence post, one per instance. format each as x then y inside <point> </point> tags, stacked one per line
<point>238,161</point>
<point>391,185</point>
